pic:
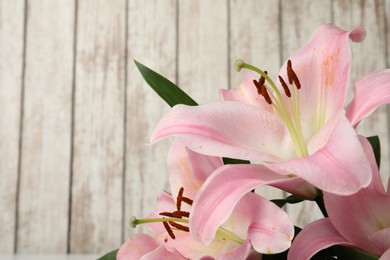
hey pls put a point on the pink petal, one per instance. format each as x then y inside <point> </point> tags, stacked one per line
<point>202,166</point>
<point>376,183</point>
<point>370,91</point>
<point>221,192</point>
<point>313,238</point>
<point>180,174</point>
<point>241,252</point>
<point>322,67</point>
<point>368,212</point>
<point>193,249</point>
<point>136,247</point>
<point>381,239</point>
<point>162,253</point>
<point>340,167</point>
<point>228,129</point>
<point>246,93</point>
<point>386,255</point>
<point>270,230</point>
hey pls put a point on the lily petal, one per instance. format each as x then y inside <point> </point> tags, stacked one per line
<point>371,212</point>
<point>203,166</point>
<point>270,230</point>
<point>227,129</point>
<point>332,168</point>
<point>193,249</point>
<point>368,216</point>
<point>313,238</point>
<point>136,247</point>
<point>180,174</point>
<point>162,253</point>
<point>322,67</point>
<point>386,255</point>
<point>371,91</point>
<point>221,192</point>
<point>381,239</point>
<point>246,93</point>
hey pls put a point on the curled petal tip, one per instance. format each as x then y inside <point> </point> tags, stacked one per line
<point>357,34</point>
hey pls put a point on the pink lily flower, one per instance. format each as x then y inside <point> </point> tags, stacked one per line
<point>361,220</point>
<point>298,135</point>
<point>254,226</point>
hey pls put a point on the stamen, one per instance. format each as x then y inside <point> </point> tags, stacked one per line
<point>185,214</point>
<point>292,76</point>
<point>258,86</point>
<point>174,214</point>
<point>169,230</point>
<point>187,200</point>
<point>262,79</point>
<point>289,72</point>
<point>180,227</point>
<point>285,87</point>
<point>179,195</point>
<point>265,94</point>
<point>296,80</point>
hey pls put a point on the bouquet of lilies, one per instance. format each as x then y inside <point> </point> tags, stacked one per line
<point>293,132</point>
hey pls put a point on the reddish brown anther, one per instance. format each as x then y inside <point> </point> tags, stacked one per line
<point>258,86</point>
<point>265,94</point>
<point>169,230</point>
<point>187,200</point>
<point>180,213</point>
<point>296,80</point>
<point>262,79</point>
<point>179,226</point>
<point>174,214</point>
<point>178,200</point>
<point>285,87</point>
<point>289,72</point>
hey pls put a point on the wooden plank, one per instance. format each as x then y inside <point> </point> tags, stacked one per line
<point>299,20</point>
<point>368,56</point>
<point>254,37</point>
<point>203,48</point>
<point>45,154</point>
<point>153,43</point>
<point>98,146</point>
<point>11,63</point>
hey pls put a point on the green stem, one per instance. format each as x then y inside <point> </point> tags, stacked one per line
<point>320,203</point>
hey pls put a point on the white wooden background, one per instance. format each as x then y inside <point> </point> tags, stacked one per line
<point>75,115</point>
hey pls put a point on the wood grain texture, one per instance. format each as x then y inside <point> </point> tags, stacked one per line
<point>153,43</point>
<point>368,56</point>
<point>11,67</point>
<point>111,111</point>
<point>299,20</point>
<point>98,127</point>
<point>254,37</point>
<point>45,154</point>
<point>203,48</point>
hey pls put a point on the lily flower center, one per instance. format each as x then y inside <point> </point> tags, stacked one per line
<point>179,219</point>
<point>272,95</point>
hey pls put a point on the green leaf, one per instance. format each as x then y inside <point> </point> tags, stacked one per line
<point>376,146</point>
<point>290,200</point>
<point>109,256</point>
<point>167,90</point>
<point>343,253</point>
<point>234,161</point>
